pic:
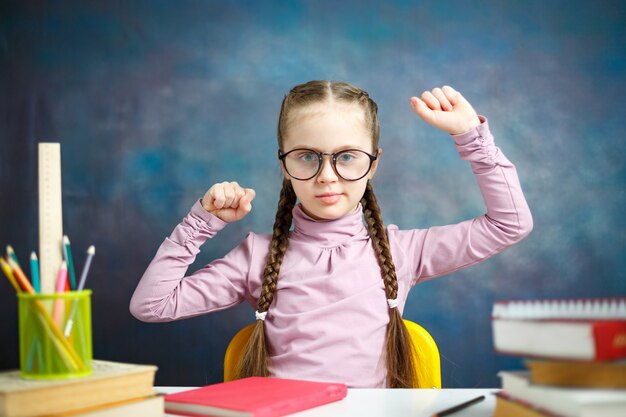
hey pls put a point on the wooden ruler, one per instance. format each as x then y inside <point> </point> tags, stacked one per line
<point>50,215</point>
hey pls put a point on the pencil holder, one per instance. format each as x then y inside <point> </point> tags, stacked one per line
<point>55,335</point>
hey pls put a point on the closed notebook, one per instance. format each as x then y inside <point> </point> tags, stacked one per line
<point>255,397</point>
<point>580,329</point>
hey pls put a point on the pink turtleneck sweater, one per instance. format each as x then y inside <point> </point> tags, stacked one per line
<point>328,318</point>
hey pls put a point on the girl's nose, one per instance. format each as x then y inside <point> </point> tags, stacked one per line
<point>327,173</point>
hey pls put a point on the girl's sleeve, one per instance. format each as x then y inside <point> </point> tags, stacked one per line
<point>438,251</point>
<point>165,293</point>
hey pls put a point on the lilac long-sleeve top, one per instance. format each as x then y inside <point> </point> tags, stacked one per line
<point>328,318</point>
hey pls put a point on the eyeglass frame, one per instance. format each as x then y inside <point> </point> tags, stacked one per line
<point>320,158</point>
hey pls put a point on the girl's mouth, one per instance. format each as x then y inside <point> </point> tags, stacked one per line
<point>329,199</point>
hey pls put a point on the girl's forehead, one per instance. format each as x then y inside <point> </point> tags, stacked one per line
<point>326,108</point>
<point>328,126</point>
<point>327,119</point>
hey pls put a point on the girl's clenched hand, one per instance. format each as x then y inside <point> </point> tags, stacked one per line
<point>446,109</point>
<point>228,201</point>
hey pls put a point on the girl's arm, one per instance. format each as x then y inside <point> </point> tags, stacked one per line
<point>165,293</point>
<point>441,250</point>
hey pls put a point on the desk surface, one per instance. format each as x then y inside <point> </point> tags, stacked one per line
<point>395,402</point>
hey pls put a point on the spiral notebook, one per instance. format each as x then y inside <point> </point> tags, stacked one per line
<point>568,309</point>
<point>578,329</point>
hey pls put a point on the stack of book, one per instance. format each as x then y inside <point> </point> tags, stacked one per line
<point>113,389</point>
<point>575,355</point>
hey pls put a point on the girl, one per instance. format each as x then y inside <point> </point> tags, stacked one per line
<point>329,294</point>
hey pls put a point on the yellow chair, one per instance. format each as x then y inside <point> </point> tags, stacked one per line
<point>426,355</point>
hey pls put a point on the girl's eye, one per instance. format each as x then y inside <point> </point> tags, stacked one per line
<point>307,157</point>
<point>345,157</point>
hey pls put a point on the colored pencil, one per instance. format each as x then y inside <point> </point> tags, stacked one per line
<point>34,272</point>
<point>81,285</point>
<point>20,277</point>
<point>9,274</point>
<point>11,254</point>
<point>91,251</point>
<point>67,252</point>
<point>60,289</point>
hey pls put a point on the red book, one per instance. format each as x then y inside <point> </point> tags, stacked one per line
<point>255,397</point>
<point>580,329</point>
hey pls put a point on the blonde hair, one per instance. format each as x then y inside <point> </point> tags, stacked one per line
<point>398,352</point>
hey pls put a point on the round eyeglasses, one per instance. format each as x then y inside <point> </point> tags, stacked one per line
<point>304,164</point>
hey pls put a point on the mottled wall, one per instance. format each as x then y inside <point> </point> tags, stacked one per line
<point>154,101</point>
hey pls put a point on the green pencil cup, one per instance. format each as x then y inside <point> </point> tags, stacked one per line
<point>55,335</point>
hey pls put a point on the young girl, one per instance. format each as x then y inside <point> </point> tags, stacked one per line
<point>329,294</point>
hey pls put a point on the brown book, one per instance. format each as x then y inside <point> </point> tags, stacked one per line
<point>110,382</point>
<point>578,373</point>
<point>509,407</point>
<point>139,407</point>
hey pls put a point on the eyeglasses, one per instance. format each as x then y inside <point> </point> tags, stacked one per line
<point>304,164</point>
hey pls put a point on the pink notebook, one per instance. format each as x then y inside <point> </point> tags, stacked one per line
<point>254,396</point>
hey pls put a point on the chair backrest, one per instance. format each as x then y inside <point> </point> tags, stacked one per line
<point>234,352</point>
<point>426,355</point>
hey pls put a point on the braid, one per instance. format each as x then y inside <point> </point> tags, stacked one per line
<point>399,349</point>
<point>379,241</point>
<point>278,246</point>
<point>255,358</point>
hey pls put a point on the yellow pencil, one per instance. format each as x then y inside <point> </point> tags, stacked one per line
<point>9,274</point>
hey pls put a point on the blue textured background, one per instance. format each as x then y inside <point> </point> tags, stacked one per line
<point>154,101</point>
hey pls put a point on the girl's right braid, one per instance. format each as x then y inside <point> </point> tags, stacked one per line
<point>379,240</point>
<point>398,346</point>
<point>254,361</point>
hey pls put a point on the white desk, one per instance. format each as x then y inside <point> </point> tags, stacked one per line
<point>395,403</point>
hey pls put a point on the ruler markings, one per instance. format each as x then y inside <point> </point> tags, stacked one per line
<point>50,215</point>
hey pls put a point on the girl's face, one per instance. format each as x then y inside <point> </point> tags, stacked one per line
<point>329,128</point>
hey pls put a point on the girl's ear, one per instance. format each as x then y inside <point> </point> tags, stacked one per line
<point>375,164</point>
<point>282,168</point>
<point>285,175</point>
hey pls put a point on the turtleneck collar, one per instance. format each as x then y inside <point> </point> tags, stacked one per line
<point>329,233</point>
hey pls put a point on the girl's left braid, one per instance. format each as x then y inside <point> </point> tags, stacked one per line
<point>278,246</point>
